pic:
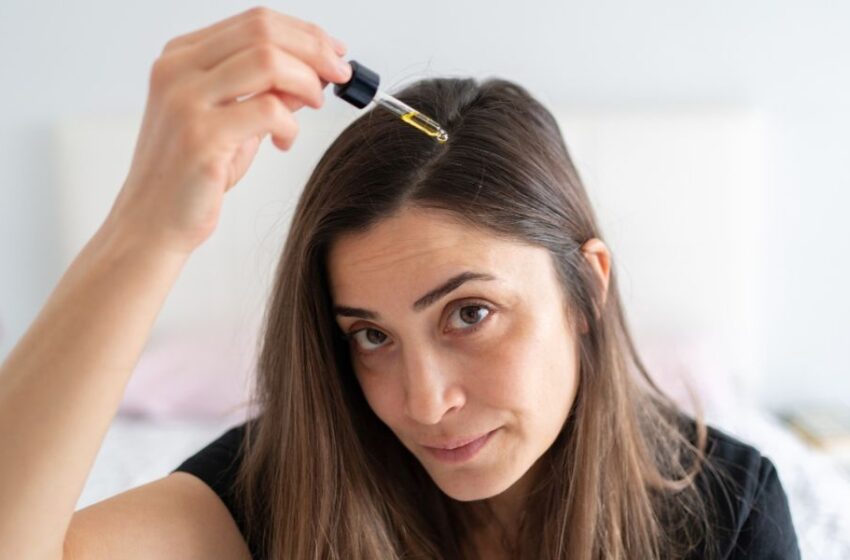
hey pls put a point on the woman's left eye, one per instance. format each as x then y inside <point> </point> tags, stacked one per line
<point>469,316</point>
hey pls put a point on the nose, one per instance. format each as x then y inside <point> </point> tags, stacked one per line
<point>431,390</point>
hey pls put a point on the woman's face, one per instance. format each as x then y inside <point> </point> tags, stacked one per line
<point>456,334</point>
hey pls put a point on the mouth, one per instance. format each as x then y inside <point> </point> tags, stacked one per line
<point>460,450</point>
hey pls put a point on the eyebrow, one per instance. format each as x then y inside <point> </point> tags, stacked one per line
<point>434,295</point>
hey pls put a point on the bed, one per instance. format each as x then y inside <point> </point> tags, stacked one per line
<point>678,193</point>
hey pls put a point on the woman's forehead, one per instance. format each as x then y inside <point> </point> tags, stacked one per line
<point>413,242</point>
<point>416,250</point>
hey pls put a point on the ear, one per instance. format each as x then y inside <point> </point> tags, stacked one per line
<point>597,254</point>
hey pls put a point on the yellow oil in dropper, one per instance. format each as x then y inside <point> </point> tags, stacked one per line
<point>412,117</point>
<point>426,125</point>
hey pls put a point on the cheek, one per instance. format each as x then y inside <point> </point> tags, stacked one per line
<point>558,385</point>
<point>501,372</point>
<point>531,371</point>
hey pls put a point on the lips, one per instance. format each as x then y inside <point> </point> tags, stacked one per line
<point>460,450</point>
<point>453,443</point>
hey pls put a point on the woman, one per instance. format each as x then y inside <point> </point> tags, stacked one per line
<point>446,369</point>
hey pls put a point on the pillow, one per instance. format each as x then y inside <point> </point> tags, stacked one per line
<point>202,374</point>
<point>681,360</point>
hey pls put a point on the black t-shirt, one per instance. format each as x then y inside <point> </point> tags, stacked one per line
<point>754,520</point>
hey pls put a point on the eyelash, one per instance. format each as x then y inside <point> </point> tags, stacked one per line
<point>350,336</point>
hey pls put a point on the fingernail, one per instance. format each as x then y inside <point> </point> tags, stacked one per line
<point>344,69</point>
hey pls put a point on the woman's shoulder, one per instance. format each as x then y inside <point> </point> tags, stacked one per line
<point>752,518</point>
<point>737,460</point>
<point>218,461</point>
<point>217,465</point>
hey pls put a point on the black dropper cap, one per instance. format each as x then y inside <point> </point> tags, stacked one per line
<point>362,86</point>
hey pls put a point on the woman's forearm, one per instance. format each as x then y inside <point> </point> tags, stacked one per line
<point>61,385</point>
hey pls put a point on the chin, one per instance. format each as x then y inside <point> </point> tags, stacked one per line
<point>470,486</point>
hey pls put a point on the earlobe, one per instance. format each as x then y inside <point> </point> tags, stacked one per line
<point>598,256</point>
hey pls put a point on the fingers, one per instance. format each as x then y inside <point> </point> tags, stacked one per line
<point>293,103</point>
<point>314,48</point>
<point>339,47</point>
<point>259,69</point>
<point>275,63</point>
<point>257,12</point>
<point>195,36</point>
<point>305,40</point>
<point>260,115</point>
<point>256,51</point>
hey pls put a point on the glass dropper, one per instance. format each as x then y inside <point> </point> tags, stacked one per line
<point>411,116</point>
<point>362,89</point>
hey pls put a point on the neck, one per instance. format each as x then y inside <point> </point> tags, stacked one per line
<point>503,514</point>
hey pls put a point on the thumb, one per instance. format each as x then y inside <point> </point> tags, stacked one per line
<point>243,157</point>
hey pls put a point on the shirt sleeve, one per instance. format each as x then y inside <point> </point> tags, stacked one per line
<point>217,465</point>
<point>768,531</point>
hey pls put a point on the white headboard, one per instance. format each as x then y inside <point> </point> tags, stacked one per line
<point>678,194</point>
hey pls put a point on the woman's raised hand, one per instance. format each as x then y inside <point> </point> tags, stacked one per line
<point>200,129</point>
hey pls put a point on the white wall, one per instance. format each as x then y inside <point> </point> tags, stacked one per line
<point>790,61</point>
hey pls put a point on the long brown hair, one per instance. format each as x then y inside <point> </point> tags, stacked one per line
<point>323,477</point>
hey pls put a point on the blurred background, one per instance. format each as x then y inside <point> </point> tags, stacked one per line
<point>712,138</point>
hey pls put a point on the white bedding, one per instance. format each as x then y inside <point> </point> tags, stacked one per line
<point>818,491</point>
<point>138,451</point>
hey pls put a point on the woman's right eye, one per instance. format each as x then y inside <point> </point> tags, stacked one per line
<point>367,337</point>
